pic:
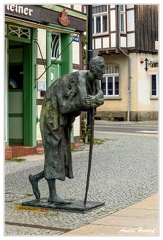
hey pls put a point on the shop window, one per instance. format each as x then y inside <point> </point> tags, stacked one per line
<point>110,81</point>
<point>100,17</point>
<point>55,46</point>
<point>154,85</point>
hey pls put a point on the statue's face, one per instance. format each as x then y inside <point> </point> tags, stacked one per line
<point>99,69</point>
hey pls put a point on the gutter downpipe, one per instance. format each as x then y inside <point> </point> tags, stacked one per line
<point>129,66</point>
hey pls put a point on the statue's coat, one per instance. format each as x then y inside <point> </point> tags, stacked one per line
<point>62,103</point>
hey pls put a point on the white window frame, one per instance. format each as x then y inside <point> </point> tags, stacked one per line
<point>122,13</point>
<point>59,47</point>
<point>110,72</point>
<point>113,76</point>
<point>101,15</point>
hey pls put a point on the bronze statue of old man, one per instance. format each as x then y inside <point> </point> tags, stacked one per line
<point>64,100</point>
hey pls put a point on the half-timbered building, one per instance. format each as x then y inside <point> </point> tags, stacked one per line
<point>127,37</point>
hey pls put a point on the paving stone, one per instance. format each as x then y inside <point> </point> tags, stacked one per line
<point>124,171</point>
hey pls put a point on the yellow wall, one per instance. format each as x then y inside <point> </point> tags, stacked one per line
<point>113,104</point>
<point>140,85</point>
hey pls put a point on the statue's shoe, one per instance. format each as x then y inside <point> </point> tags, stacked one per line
<point>58,200</point>
<point>34,184</point>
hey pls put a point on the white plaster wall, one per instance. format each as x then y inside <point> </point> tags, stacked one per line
<point>123,41</point>
<point>97,43</point>
<point>112,20</point>
<point>131,40</point>
<point>42,42</point>
<point>144,94</point>
<point>105,42</point>
<point>130,20</point>
<point>78,7</point>
<point>145,103</point>
<point>113,39</point>
<point>67,5</point>
<point>130,6</point>
<point>75,52</point>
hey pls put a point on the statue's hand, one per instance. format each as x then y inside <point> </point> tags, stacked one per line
<point>100,94</point>
<point>99,98</point>
<point>91,101</point>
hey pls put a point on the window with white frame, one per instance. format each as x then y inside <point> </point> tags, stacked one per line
<point>110,81</point>
<point>100,19</point>
<point>55,46</point>
<point>154,86</point>
<point>122,18</point>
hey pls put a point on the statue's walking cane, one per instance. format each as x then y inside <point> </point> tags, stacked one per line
<point>92,113</point>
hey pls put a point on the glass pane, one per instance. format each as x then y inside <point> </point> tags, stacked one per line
<point>105,23</point>
<point>109,69</point>
<point>104,8</point>
<point>121,7</point>
<point>55,46</point>
<point>122,22</point>
<point>116,85</point>
<point>100,9</point>
<point>16,76</point>
<point>94,10</point>
<point>98,24</point>
<point>103,85</point>
<point>154,85</point>
<point>93,26</point>
<point>116,69</point>
<point>110,86</point>
<point>106,69</point>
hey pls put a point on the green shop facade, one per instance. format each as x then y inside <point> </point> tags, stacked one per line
<point>21,46</point>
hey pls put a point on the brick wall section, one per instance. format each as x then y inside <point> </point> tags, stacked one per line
<point>8,152</point>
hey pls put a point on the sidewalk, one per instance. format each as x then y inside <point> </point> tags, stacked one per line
<point>140,219</point>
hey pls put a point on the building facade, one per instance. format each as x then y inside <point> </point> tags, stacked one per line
<point>39,43</point>
<point>126,36</point>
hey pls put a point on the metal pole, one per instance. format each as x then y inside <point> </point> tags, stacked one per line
<point>90,114</point>
<point>90,53</point>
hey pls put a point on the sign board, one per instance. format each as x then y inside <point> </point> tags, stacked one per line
<point>153,71</point>
<point>41,85</point>
<point>75,38</point>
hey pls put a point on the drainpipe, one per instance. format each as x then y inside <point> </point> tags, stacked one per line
<point>129,66</point>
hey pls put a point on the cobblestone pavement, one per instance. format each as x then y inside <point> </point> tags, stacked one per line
<point>124,171</point>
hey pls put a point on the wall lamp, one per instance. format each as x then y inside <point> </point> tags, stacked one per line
<point>147,62</point>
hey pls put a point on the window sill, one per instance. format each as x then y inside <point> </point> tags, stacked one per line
<point>154,98</point>
<point>100,34</point>
<point>112,98</point>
